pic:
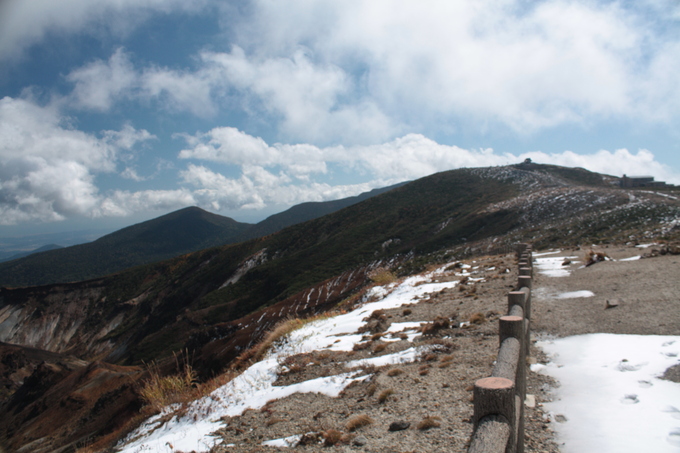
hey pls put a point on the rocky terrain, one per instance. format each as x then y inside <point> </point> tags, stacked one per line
<point>86,347</point>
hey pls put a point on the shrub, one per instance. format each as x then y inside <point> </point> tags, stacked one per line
<point>358,421</point>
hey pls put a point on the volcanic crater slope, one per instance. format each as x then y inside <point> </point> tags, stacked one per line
<point>216,303</point>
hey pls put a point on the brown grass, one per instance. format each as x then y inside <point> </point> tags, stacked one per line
<point>382,276</point>
<point>478,318</point>
<point>370,390</point>
<point>424,370</point>
<point>429,422</point>
<point>395,372</point>
<point>278,333</point>
<point>407,311</point>
<point>380,347</point>
<point>331,437</point>
<point>159,391</point>
<point>384,395</point>
<point>358,421</point>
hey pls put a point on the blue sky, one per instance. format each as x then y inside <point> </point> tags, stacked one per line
<point>117,111</point>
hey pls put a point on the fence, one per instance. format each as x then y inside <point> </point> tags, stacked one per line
<point>499,399</point>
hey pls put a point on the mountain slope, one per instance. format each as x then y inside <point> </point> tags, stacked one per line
<point>183,231</point>
<point>309,211</point>
<point>177,233</point>
<point>218,302</point>
<point>44,248</point>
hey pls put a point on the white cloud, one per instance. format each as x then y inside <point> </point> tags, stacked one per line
<point>475,64</point>
<point>47,170</point>
<point>100,84</point>
<point>269,175</point>
<point>616,163</point>
<point>123,203</point>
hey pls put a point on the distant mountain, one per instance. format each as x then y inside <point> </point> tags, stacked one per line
<point>187,230</point>
<point>309,211</point>
<point>16,256</point>
<point>179,232</point>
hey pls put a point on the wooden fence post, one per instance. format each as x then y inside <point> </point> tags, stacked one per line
<point>496,396</point>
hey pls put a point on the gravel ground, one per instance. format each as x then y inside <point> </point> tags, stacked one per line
<point>431,396</point>
<point>647,290</point>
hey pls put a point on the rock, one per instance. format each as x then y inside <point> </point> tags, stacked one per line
<point>360,441</point>
<point>530,401</point>
<point>399,425</point>
<point>566,262</point>
<point>674,249</point>
<point>613,303</point>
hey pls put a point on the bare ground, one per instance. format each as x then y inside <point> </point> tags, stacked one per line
<point>647,291</point>
<point>431,395</point>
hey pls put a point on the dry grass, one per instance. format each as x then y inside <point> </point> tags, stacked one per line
<point>424,370</point>
<point>439,323</point>
<point>370,391</point>
<point>477,318</point>
<point>385,394</point>
<point>358,421</point>
<point>428,423</point>
<point>380,347</point>
<point>407,311</point>
<point>382,276</point>
<point>395,372</point>
<point>331,437</point>
<point>277,334</point>
<point>159,391</point>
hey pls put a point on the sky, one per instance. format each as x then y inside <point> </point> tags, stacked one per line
<point>117,111</point>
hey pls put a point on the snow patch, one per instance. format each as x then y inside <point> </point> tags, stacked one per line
<point>552,266</point>
<point>576,294</point>
<point>610,396</point>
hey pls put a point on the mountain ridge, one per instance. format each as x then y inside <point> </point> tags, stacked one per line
<point>183,231</point>
<point>217,303</point>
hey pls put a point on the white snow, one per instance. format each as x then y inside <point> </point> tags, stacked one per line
<point>290,441</point>
<point>254,387</point>
<point>632,258</point>
<point>610,397</point>
<point>552,266</point>
<point>552,252</point>
<point>408,355</point>
<point>576,294</point>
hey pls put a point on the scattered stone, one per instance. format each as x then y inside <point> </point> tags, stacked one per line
<point>672,374</point>
<point>566,262</point>
<point>559,418</point>
<point>530,401</point>
<point>399,425</point>
<point>360,441</point>
<point>613,303</point>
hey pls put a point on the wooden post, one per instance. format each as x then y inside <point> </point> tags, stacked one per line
<point>496,396</point>
<point>523,281</point>
<point>517,298</point>
<point>491,436</point>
